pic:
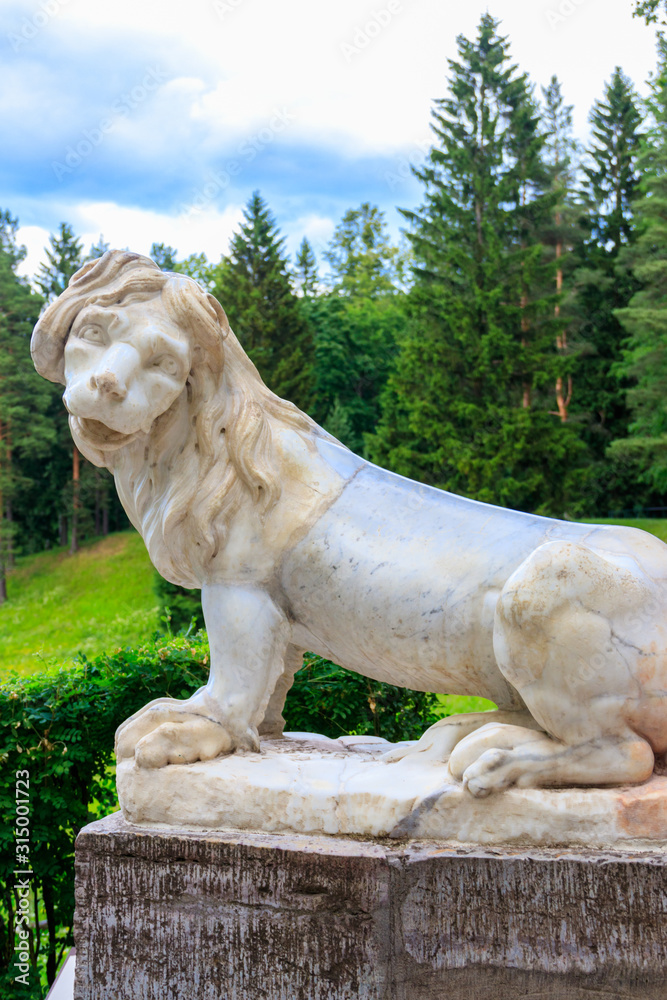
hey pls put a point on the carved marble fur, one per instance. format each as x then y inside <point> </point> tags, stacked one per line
<point>298,544</point>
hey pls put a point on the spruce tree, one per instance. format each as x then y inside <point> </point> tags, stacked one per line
<point>305,271</point>
<point>25,430</point>
<point>254,287</point>
<point>65,257</point>
<point>603,283</point>
<point>644,357</point>
<point>468,406</point>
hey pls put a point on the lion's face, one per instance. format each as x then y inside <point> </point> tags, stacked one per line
<point>125,364</point>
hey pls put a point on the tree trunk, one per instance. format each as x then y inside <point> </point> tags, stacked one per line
<point>563,398</point>
<point>62,529</point>
<point>10,560</point>
<point>76,486</point>
<point>97,503</point>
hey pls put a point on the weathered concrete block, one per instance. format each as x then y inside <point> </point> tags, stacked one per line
<point>171,915</point>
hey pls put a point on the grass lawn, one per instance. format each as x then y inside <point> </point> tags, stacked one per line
<point>59,604</point>
<point>654,525</point>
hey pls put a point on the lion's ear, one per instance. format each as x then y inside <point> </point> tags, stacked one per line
<point>220,313</point>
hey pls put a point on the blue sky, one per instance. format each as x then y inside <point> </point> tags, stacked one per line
<point>154,120</point>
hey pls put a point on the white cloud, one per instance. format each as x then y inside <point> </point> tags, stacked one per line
<point>138,229</point>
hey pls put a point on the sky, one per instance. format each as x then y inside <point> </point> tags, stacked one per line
<point>154,120</point>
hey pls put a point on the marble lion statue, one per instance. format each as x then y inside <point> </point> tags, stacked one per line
<point>298,544</point>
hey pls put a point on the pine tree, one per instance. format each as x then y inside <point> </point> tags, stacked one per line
<point>25,430</point>
<point>603,283</point>
<point>65,257</point>
<point>254,287</point>
<point>305,272</point>
<point>644,357</point>
<point>468,406</point>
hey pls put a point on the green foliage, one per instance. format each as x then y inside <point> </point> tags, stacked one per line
<point>65,257</point>
<point>305,271</point>
<point>644,360</point>
<point>363,262</point>
<point>254,286</point>
<point>164,256</point>
<point>468,407</point>
<point>60,728</point>
<point>26,434</point>
<point>356,326</point>
<point>327,699</point>
<point>178,607</point>
<point>650,10</point>
<point>602,282</point>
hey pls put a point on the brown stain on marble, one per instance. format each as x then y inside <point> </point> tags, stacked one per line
<point>642,811</point>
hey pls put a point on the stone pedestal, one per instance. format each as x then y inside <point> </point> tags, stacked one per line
<point>306,783</point>
<point>170,915</point>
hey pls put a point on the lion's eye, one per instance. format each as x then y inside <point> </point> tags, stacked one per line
<point>93,334</point>
<point>166,364</point>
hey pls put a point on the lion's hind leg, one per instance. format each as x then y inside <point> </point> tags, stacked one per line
<point>497,756</point>
<point>565,638</point>
<point>440,739</point>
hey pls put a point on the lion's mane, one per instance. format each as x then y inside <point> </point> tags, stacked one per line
<point>211,451</point>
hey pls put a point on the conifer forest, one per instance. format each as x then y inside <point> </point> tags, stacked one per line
<point>512,347</point>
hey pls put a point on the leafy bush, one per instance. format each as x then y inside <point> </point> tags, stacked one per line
<point>327,699</point>
<point>178,605</point>
<point>59,727</point>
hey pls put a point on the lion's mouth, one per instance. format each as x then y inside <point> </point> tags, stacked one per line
<point>97,434</point>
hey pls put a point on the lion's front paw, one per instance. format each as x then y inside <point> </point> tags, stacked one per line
<point>168,731</point>
<point>182,743</point>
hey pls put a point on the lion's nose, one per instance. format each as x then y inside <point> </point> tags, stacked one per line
<point>108,384</point>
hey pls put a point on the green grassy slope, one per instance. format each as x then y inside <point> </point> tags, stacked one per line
<point>59,605</point>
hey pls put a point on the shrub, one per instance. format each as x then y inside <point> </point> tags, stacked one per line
<point>327,699</point>
<point>178,606</point>
<point>60,726</point>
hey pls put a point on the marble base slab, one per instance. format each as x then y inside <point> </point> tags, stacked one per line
<point>309,784</point>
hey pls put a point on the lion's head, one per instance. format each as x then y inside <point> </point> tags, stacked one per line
<point>160,392</point>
